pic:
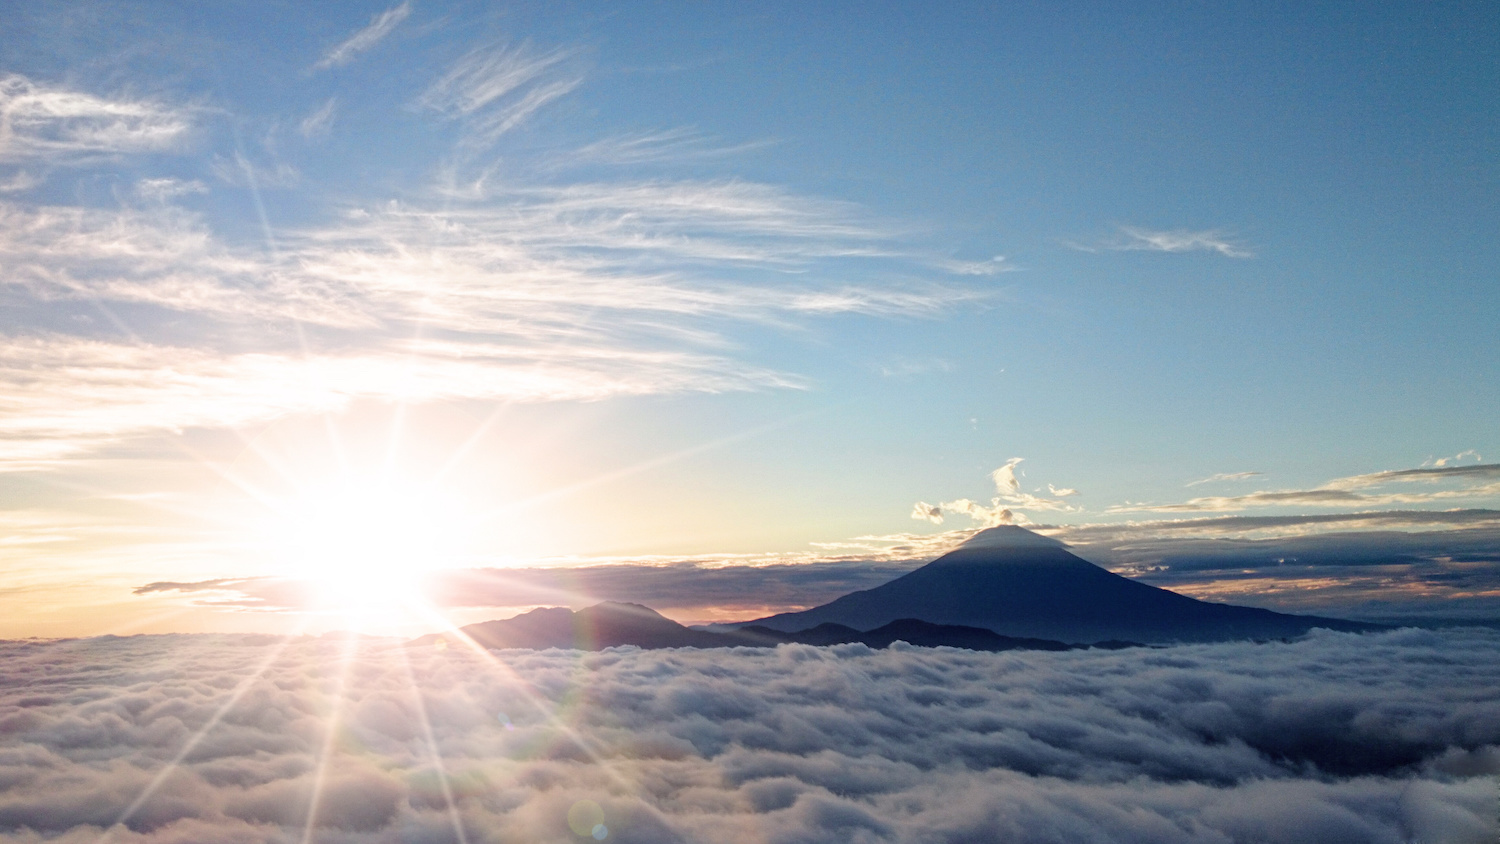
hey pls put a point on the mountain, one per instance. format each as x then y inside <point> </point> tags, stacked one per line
<point>612,624</point>
<point>1020,584</point>
<point>605,625</point>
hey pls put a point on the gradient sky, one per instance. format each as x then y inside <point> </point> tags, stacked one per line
<point>576,281</point>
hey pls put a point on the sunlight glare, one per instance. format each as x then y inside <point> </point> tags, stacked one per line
<point>367,546</point>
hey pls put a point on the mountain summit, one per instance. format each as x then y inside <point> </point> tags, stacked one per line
<point>1019,583</point>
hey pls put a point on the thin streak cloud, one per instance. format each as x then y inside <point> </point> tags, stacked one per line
<point>667,146</point>
<point>1225,476</point>
<point>320,122</point>
<point>379,27</point>
<point>1355,490</point>
<point>1178,240</point>
<point>494,89</point>
<point>138,389</point>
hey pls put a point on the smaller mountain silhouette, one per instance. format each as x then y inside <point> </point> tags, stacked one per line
<point>611,624</point>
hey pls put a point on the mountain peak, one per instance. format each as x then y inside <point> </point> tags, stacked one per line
<point>1009,536</point>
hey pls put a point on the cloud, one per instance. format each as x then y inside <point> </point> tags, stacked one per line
<point>56,126</point>
<point>931,512</point>
<point>166,189</point>
<point>1412,566</point>
<point>240,171</point>
<point>579,292</point>
<point>1480,471</point>
<point>320,122</point>
<point>1136,239</point>
<point>1001,510</point>
<point>1229,476</point>
<point>379,27</point>
<point>1457,458</point>
<point>495,89</point>
<point>993,266</point>
<point>64,396</point>
<point>1333,737</point>
<point>666,146</point>
<point>1477,481</point>
<point>20,181</point>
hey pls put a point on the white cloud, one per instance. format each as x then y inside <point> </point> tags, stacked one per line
<point>514,291</point>
<point>242,172</point>
<point>1335,737</point>
<point>993,266</point>
<point>162,190</point>
<point>1440,462</point>
<point>1475,481</point>
<point>670,145</point>
<point>1225,476</point>
<point>1178,240</point>
<point>60,396</point>
<point>930,512</point>
<point>50,125</point>
<point>379,27</point>
<point>1002,508</point>
<point>495,89</point>
<point>320,122</point>
<point>19,181</point>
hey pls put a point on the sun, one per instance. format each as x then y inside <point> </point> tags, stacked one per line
<point>366,546</point>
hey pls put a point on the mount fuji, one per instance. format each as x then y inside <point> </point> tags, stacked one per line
<point>1020,584</point>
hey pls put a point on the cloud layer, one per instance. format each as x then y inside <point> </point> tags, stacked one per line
<point>1336,737</point>
<point>1480,480</point>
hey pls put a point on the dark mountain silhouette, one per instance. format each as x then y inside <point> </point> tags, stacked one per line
<point>1019,584</point>
<point>605,625</point>
<point>613,624</point>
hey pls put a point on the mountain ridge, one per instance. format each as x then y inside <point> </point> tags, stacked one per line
<point>613,624</point>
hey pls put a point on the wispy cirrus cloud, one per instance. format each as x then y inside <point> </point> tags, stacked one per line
<point>524,291</point>
<point>1472,482</point>
<point>320,122</point>
<point>51,125</point>
<point>64,396</point>
<point>1138,239</point>
<point>1225,476</point>
<point>379,27</point>
<point>1180,240</point>
<point>667,146</point>
<point>494,89</point>
<point>580,292</point>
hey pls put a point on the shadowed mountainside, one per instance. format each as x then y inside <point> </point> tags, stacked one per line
<point>1020,584</point>
<point>612,624</point>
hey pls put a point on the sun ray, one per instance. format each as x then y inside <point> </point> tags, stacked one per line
<point>655,462</point>
<point>166,770</point>
<point>432,746</point>
<point>330,735</point>
<point>520,684</point>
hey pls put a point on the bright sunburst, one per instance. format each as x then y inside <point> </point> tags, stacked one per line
<point>366,546</point>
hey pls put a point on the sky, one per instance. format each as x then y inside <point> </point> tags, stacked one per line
<point>783,297</point>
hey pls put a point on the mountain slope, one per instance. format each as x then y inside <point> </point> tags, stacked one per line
<point>1019,584</point>
<point>613,624</point>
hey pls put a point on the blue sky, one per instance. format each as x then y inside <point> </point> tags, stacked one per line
<point>658,279</point>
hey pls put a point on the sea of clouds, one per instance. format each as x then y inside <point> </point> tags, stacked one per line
<point>1392,737</point>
